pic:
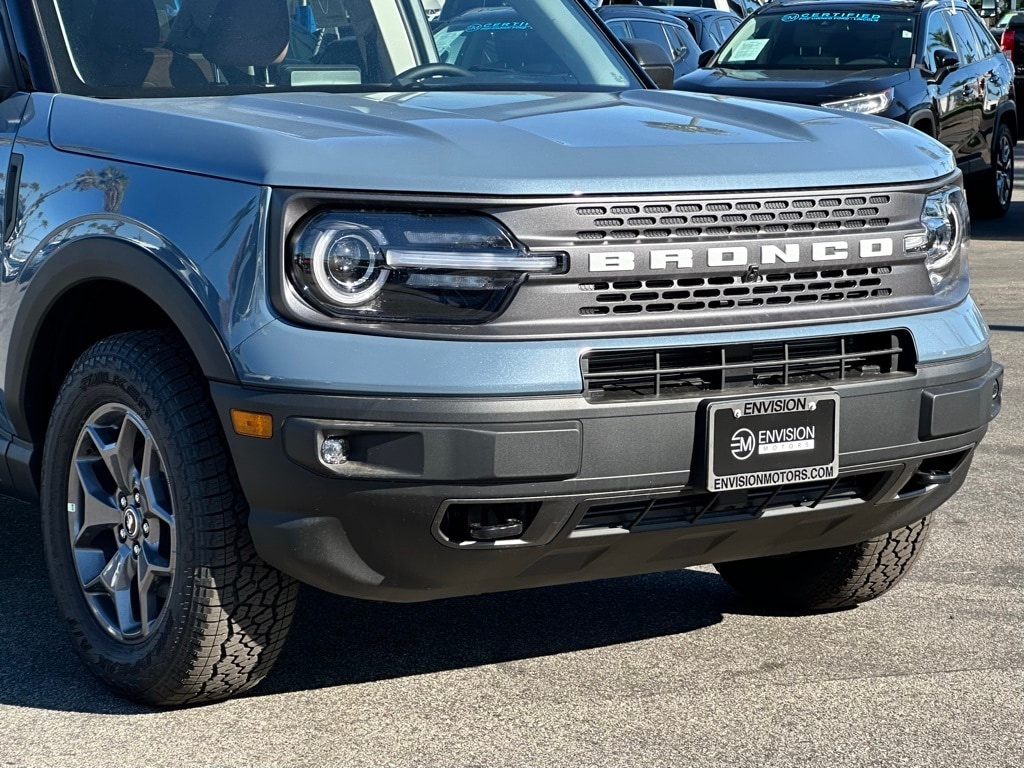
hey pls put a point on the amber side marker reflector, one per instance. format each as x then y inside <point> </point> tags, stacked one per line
<point>251,424</point>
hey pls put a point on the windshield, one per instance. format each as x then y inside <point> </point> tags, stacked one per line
<point>833,39</point>
<point>127,48</point>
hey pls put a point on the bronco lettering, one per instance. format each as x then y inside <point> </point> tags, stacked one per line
<point>679,259</point>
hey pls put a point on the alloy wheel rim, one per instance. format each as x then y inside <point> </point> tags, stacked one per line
<point>121,523</point>
<point>1004,170</point>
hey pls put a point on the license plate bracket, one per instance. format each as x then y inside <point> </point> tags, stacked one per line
<point>764,441</point>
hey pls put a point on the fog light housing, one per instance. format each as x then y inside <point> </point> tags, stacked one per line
<point>334,451</point>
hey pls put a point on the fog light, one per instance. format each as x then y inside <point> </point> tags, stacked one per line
<point>334,451</point>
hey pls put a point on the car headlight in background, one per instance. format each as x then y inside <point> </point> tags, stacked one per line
<point>410,267</point>
<point>946,237</point>
<point>869,104</point>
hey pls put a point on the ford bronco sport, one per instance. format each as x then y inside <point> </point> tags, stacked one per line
<point>289,296</point>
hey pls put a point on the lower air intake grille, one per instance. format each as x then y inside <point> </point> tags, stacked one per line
<point>701,507</point>
<point>674,372</point>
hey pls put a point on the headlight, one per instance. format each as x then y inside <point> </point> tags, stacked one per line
<point>410,267</point>
<point>870,104</point>
<point>946,237</point>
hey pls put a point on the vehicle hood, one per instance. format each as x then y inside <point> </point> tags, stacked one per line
<point>499,144</point>
<point>800,86</point>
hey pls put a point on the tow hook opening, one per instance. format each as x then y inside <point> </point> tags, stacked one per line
<point>480,522</point>
<point>933,471</point>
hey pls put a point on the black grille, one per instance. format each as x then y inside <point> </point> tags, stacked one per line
<point>696,294</point>
<point>672,372</point>
<point>702,507</point>
<point>723,218</point>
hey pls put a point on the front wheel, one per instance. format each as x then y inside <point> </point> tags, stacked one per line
<point>992,190</point>
<point>144,526</point>
<point>829,579</point>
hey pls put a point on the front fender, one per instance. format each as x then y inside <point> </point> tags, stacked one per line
<point>88,258</point>
<point>195,245</point>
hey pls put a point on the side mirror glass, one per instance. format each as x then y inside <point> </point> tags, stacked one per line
<point>704,58</point>
<point>652,59</point>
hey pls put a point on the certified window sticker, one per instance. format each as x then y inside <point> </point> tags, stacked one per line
<point>496,26</point>
<point>832,16</point>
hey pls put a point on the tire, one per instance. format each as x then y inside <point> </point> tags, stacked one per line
<point>829,579</point>
<point>991,192</point>
<point>144,527</point>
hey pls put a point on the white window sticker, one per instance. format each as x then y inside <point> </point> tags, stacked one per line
<point>748,49</point>
<point>907,34</point>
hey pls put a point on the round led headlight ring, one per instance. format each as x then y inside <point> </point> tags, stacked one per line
<point>348,266</point>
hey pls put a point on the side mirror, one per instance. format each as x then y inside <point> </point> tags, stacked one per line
<point>652,59</point>
<point>945,62</point>
<point>704,58</point>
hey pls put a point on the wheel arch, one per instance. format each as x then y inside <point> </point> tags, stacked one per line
<point>55,324</point>
<point>923,117</point>
<point>1008,115</point>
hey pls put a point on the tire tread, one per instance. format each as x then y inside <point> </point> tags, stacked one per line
<point>830,579</point>
<point>238,608</point>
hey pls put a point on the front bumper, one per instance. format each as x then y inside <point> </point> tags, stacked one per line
<point>602,490</point>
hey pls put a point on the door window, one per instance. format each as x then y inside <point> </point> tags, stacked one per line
<point>963,38</point>
<point>937,37</point>
<point>675,39</point>
<point>653,31</point>
<point>722,29</point>
<point>619,29</point>
<point>986,43</point>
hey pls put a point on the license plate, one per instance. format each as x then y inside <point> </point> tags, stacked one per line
<point>764,441</point>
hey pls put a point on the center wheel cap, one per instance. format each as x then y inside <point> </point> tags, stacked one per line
<point>132,523</point>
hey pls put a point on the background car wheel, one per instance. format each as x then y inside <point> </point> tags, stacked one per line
<point>991,192</point>
<point>829,579</point>
<point>144,526</point>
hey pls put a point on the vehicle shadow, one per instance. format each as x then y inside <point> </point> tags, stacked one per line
<point>1009,227</point>
<point>1005,229</point>
<point>337,641</point>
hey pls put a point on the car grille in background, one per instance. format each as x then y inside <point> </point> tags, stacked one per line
<point>725,218</point>
<point>702,507</point>
<point>695,294</point>
<point>672,372</point>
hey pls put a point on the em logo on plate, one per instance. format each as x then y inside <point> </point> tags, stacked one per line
<point>743,444</point>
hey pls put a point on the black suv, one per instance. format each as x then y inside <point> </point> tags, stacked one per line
<point>932,65</point>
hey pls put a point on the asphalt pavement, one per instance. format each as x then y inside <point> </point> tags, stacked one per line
<point>664,670</point>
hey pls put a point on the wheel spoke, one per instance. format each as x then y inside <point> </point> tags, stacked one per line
<point>127,441</point>
<point>143,611</point>
<point>123,606</point>
<point>99,509</point>
<point>158,511</point>
<point>116,450</point>
<point>150,570</point>
<point>114,577</point>
<point>154,485</point>
<point>91,563</point>
<point>150,574</point>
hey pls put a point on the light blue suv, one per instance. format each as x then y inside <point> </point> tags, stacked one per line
<point>286,297</point>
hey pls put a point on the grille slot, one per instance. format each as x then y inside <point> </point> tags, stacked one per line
<point>720,218</point>
<point>674,372</point>
<point>702,507</point>
<point>730,292</point>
